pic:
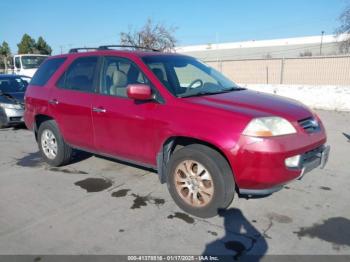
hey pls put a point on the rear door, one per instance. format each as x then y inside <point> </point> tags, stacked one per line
<point>123,127</point>
<point>71,102</point>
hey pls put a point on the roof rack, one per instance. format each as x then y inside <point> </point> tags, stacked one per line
<point>106,47</point>
<point>76,50</point>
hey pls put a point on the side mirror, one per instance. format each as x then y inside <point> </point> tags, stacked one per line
<point>139,92</point>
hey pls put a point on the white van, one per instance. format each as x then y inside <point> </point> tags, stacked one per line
<point>27,64</point>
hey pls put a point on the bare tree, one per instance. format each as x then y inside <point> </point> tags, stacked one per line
<point>153,36</point>
<point>5,54</point>
<point>344,28</point>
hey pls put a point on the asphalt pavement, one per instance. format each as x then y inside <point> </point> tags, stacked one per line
<point>101,206</point>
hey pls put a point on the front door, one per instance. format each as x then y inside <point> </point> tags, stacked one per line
<point>123,127</point>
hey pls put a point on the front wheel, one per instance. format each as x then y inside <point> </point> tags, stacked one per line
<point>200,180</point>
<point>52,146</point>
<point>2,121</point>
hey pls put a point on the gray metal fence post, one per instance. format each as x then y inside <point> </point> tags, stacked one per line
<point>282,71</point>
<point>267,74</point>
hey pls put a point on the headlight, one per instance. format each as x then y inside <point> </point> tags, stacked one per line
<point>269,126</point>
<point>11,106</point>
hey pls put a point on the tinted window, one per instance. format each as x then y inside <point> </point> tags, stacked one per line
<point>46,70</point>
<point>80,75</point>
<point>33,61</point>
<point>17,63</point>
<point>12,85</point>
<point>117,74</point>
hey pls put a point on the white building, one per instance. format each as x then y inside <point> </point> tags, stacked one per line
<point>276,48</point>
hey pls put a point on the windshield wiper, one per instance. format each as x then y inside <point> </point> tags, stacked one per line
<point>234,88</point>
<point>9,97</point>
<point>202,93</point>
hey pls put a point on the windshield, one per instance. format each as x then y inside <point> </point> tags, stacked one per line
<point>13,85</point>
<point>185,76</point>
<point>29,62</point>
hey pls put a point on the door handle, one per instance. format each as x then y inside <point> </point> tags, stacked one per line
<point>98,110</point>
<point>53,102</point>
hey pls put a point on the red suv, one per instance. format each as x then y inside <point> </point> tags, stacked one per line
<point>206,136</point>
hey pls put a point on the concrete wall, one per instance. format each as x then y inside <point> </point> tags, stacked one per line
<point>331,70</point>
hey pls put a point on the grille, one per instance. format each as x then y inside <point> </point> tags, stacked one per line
<point>310,124</point>
<point>15,119</point>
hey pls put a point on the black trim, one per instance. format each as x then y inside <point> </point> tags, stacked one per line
<point>260,192</point>
<point>108,47</point>
<point>162,160</point>
<point>76,50</point>
<point>133,162</point>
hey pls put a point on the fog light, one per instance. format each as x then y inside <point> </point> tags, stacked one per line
<point>292,161</point>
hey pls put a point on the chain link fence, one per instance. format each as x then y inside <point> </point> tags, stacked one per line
<point>325,70</point>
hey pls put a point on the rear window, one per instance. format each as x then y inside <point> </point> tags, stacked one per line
<point>46,70</point>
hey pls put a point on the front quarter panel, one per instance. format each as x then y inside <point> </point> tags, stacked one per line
<point>218,128</point>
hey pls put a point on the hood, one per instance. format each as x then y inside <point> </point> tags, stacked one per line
<point>29,72</point>
<point>255,104</point>
<point>12,98</point>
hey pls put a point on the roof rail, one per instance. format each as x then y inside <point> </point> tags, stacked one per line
<point>106,47</point>
<point>76,50</point>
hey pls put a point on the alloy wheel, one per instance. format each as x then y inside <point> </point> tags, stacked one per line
<point>49,144</point>
<point>193,183</point>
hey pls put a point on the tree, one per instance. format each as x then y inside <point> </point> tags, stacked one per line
<point>27,45</point>
<point>344,28</point>
<point>305,53</point>
<point>5,53</point>
<point>42,47</point>
<point>153,36</point>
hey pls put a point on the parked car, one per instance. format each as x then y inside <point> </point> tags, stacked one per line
<point>12,89</point>
<point>207,137</point>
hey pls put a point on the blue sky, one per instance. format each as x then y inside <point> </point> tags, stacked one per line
<point>69,23</point>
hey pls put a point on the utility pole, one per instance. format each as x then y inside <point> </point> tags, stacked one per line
<point>322,34</point>
<point>217,50</point>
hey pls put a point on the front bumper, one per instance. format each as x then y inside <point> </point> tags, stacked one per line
<point>259,164</point>
<point>11,116</point>
<point>310,160</point>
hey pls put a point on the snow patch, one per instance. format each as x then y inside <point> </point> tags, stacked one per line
<point>330,97</point>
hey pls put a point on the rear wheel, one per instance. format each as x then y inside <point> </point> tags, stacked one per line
<point>200,180</point>
<point>52,146</point>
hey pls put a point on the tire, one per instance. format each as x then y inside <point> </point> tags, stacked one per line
<point>219,184</point>
<point>63,151</point>
<point>2,119</point>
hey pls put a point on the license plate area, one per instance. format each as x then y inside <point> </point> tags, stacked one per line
<point>324,156</point>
